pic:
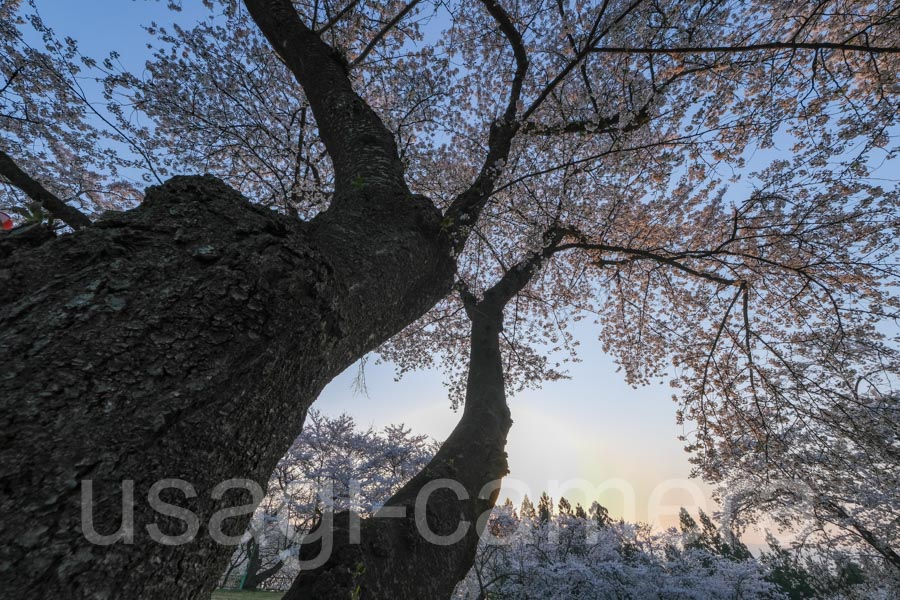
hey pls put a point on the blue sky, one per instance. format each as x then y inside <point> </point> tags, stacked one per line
<point>593,427</point>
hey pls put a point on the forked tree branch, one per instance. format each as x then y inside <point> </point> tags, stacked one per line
<point>465,208</point>
<point>361,148</point>
<point>595,35</point>
<point>516,278</point>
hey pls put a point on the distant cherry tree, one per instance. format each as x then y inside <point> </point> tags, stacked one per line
<point>835,485</point>
<point>583,554</point>
<point>334,465</point>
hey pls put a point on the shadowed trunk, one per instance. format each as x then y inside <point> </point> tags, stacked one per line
<point>181,343</point>
<point>426,549</point>
<point>184,339</point>
<point>256,579</point>
<point>394,558</point>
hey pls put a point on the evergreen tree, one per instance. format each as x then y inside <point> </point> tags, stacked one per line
<point>545,508</point>
<point>786,572</point>
<point>599,514</point>
<point>579,511</point>
<point>527,509</point>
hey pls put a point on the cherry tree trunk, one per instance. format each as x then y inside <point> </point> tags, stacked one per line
<point>254,574</point>
<point>184,339</point>
<point>423,542</point>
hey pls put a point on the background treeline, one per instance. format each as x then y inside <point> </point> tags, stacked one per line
<point>544,550</point>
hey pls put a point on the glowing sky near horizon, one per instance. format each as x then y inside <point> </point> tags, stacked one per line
<point>592,427</point>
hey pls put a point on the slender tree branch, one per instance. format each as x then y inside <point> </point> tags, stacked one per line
<point>610,124</point>
<point>660,258</point>
<point>384,31</point>
<point>10,79</point>
<point>337,17</point>
<point>69,215</point>
<point>749,48</point>
<point>604,125</point>
<point>580,56</point>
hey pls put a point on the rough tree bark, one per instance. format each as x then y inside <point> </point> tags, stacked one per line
<point>186,339</point>
<point>395,556</point>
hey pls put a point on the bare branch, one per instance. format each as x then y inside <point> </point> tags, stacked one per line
<point>337,17</point>
<point>671,260</point>
<point>579,56</point>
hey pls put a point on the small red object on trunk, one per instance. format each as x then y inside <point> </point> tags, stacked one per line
<point>6,222</point>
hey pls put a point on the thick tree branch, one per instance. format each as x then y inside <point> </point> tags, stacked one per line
<point>361,148</point>
<point>466,207</point>
<point>504,21</point>
<point>17,177</point>
<point>393,552</point>
<point>519,275</point>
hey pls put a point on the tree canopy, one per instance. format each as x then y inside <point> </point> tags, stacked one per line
<point>705,180</point>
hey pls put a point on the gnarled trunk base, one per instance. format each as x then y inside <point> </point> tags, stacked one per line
<point>185,340</point>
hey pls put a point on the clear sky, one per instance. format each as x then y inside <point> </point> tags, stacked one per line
<point>592,428</point>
